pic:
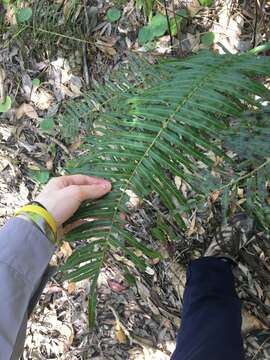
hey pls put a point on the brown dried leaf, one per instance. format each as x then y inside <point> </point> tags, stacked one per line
<point>240,192</point>
<point>250,323</point>
<point>71,287</point>
<point>10,17</point>
<point>193,7</point>
<point>178,182</point>
<point>66,249</point>
<point>77,142</point>
<point>119,333</point>
<point>42,99</point>
<point>215,195</point>
<point>116,286</point>
<point>178,277</point>
<point>138,253</point>
<point>194,42</point>
<point>192,228</point>
<point>28,110</point>
<point>228,28</point>
<point>106,48</point>
<point>134,200</point>
<point>49,164</point>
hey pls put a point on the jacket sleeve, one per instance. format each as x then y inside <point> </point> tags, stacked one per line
<point>24,256</point>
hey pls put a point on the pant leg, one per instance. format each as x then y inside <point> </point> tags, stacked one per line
<point>211,317</point>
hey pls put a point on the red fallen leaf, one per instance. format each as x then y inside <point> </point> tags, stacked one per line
<point>54,289</point>
<point>116,286</point>
<point>122,216</point>
<point>215,195</point>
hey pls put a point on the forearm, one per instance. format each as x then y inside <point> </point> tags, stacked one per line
<point>24,257</point>
<point>25,252</point>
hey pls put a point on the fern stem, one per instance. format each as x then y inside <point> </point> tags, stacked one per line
<point>15,35</point>
<point>62,35</point>
<point>168,22</point>
<point>233,182</point>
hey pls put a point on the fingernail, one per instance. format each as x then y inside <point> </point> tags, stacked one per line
<point>106,185</point>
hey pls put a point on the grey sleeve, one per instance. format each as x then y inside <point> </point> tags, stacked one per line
<point>24,256</point>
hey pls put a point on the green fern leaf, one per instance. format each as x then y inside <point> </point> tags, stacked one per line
<point>154,132</point>
<point>79,116</point>
<point>249,139</point>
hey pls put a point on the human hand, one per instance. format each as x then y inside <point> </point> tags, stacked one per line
<point>63,195</point>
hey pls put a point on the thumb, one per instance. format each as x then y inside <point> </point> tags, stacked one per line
<point>91,192</point>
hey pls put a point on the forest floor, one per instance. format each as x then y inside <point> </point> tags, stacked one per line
<point>133,322</point>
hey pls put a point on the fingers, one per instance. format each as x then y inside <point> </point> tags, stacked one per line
<point>63,195</point>
<point>81,180</point>
<point>69,180</point>
<point>89,192</point>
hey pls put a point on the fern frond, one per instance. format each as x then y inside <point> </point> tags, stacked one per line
<point>159,131</point>
<point>53,19</point>
<point>80,115</point>
<point>52,22</point>
<point>249,139</point>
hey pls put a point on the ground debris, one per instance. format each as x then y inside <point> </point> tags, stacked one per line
<point>139,321</point>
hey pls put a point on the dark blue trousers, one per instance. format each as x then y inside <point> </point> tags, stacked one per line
<point>211,316</point>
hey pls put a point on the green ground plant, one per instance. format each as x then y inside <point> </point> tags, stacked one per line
<point>43,23</point>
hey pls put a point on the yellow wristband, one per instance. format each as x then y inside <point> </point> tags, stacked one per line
<point>40,211</point>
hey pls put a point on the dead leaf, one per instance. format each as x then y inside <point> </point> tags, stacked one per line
<point>106,47</point>
<point>24,192</point>
<point>134,200</point>
<point>116,286</point>
<point>192,227</point>
<point>146,296</point>
<point>138,253</point>
<point>178,182</point>
<point>240,192</point>
<point>66,249</point>
<point>75,85</point>
<point>77,142</point>
<point>163,44</point>
<point>215,195</point>
<point>250,323</point>
<point>241,201</point>
<point>143,290</point>
<point>192,42</point>
<point>28,110</point>
<point>259,290</point>
<point>228,29</point>
<point>122,216</point>
<point>42,99</point>
<point>66,91</point>
<point>193,7</point>
<point>154,261</point>
<point>10,17</point>
<point>72,226</point>
<point>71,287</point>
<point>119,333</point>
<point>53,289</point>
<point>178,278</point>
<point>149,271</point>
<point>49,164</point>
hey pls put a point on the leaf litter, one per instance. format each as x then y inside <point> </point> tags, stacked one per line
<point>134,321</point>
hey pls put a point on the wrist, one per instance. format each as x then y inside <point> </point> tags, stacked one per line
<point>36,213</point>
